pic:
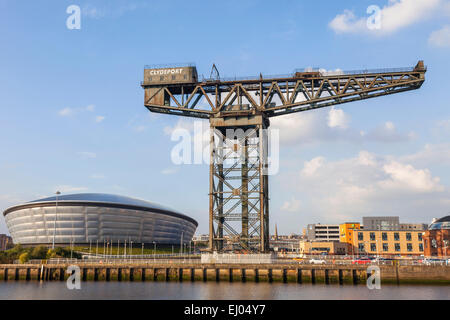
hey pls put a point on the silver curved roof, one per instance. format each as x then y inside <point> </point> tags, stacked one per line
<point>442,223</point>
<point>100,198</point>
<point>104,198</point>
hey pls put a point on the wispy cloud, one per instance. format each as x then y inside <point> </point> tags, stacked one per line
<point>99,119</point>
<point>68,111</point>
<point>87,155</point>
<point>97,176</point>
<point>441,37</point>
<point>69,188</point>
<point>111,10</point>
<point>168,171</point>
<point>396,15</point>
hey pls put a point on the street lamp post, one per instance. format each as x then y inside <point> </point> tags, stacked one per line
<point>54,221</point>
<point>131,247</point>
<point>154,251</point>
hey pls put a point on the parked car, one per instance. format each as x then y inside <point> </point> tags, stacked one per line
<point>317,261</point>
<point>362,261</point>
<point>433,261</point>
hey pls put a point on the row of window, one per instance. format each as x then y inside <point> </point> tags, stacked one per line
<point>373,247</point>
<point>384,236</point>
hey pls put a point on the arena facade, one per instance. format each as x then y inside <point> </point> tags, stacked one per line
<point>90,217</point>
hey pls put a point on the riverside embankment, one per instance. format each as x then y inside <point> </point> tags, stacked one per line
<point>177,271</point>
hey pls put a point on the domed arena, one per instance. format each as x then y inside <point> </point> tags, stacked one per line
<point>90,217</point>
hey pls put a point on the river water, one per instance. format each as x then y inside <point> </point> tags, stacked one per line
<point>213,290</point>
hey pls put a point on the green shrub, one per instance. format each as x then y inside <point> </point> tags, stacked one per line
<point>24,257</point>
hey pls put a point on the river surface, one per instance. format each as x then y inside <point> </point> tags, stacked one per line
<point>217,291</point>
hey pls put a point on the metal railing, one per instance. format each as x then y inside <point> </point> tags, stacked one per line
<point>169,65</point>
<point>196,261</point>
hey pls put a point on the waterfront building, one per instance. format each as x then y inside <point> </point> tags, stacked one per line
<point>92,219</point>
<point>5,242</point>
<point>322,232</point>
<point>322,247</point>
<point>387,242</point>
<point>346,233</point>
<point>436,238</point>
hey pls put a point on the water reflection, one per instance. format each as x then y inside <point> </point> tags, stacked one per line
<point>212,290</point>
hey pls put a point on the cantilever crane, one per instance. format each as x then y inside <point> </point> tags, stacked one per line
<point>239,195</point>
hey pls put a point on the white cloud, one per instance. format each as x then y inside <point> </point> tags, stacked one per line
<point>397,14</point>
<point>87,155</point>
<point>168,171</point>
<point>430,154</point>
<point>68,111</point>
<point>337,118</point>
<point>311,167</point>
<point>69,188</point>
<point>99,119</point>
<point>332,125</point>
<point>367,184</point>
<point>111,11</point>
<point>441,37</point>
<point>405,176</point>
<point>292,205</point>
<point>97,176</point>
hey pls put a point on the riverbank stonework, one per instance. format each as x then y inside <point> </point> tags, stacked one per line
<point>342,274</point>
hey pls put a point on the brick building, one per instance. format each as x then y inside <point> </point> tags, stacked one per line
<point>436,238</point>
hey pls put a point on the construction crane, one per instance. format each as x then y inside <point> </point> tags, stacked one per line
<point>238,177</point>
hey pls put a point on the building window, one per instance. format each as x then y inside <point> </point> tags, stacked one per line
<point>419,236</point>
<point>396,236</point>
<point>149,78</point>
<point>361,247</point>
<point>185,77</point>
<point>384,236</point>
<point>409,247</point>
<point>385,247</point>
<point>161,78</point>
<point>408,236</point>
<point>360,236</point>
<point>397,247</point>
<point>420,247</point>
<point>174,77</point>
<point>373,247</point>
<point>372,236</point>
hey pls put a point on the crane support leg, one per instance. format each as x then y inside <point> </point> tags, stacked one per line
<point>239,203</point>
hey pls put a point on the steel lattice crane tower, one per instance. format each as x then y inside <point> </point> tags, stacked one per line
<point>238,193</point>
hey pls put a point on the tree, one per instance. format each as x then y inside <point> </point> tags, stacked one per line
<point>24,257</point>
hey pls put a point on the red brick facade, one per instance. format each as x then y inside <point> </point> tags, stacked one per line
<point>436,243</point>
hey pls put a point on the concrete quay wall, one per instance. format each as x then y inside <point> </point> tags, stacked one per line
<point>341,274</point>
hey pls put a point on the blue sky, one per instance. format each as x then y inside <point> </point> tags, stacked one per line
<point>72,115</point>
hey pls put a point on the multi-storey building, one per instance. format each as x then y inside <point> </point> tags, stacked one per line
<point>437,238</point>
<point>387,242</point>
<point>5,242</point>
<point>322,232</point>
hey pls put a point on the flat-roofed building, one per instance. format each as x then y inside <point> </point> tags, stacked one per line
<point>381,223</point>
<point>5,242</point>
<point>387,242</point>
<point>437,238</point>
<point>321,247</point>
<point>322,232</point>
